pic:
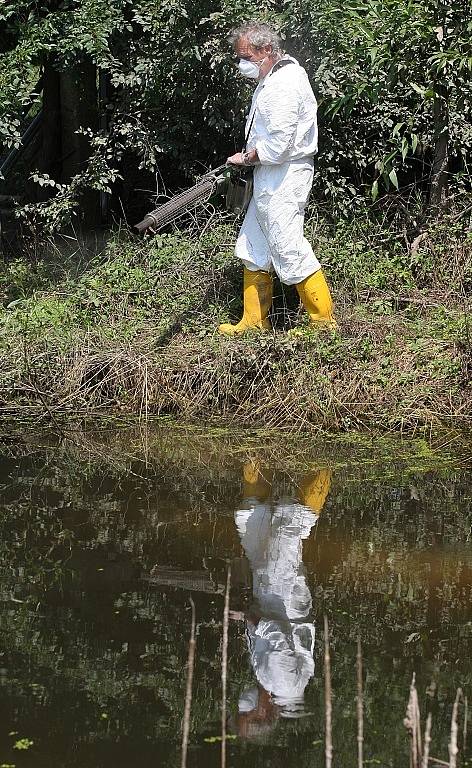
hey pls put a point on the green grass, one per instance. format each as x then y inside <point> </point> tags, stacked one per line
<point>133,328</point>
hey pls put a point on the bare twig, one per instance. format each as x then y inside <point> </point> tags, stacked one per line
<point>453,748</point>
<point>462,213</point>
<point>188,692</point>
<point>360,707</point>
<point>224,669</point>
<point>328,703</point>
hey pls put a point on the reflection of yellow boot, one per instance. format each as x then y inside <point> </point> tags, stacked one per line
<point>256,484</point>
<point>316,298</point>
<point>257,301</point>
<point>314,489</point>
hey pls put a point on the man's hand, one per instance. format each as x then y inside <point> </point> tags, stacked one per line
<point>244,158</point>
<point>236,159</point>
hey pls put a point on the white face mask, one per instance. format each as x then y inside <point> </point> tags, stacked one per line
<point>250,68</point>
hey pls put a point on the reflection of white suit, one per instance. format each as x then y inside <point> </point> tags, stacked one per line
<point>281,645</point>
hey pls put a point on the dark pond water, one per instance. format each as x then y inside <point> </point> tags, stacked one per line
<point>105,538</point>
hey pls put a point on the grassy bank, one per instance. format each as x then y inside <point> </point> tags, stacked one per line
<point>134,329</point>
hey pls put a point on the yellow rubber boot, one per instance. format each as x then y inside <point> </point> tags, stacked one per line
<point>256,483</point>
<point>316,298</point>
<point>257,301</point>
<point>314,489</point>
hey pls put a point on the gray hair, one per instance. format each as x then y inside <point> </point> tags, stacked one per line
<point>257,34</point>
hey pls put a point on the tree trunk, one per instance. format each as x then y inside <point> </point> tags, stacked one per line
<point>50,155</point>
<point>441,148</point>
<point>79,109</point>
<point>70,103</point>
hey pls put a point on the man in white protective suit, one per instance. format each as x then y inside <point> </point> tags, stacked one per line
<point>281,141</point>
<point>279,629</point>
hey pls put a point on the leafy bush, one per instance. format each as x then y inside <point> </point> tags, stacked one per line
<point>393,81</point>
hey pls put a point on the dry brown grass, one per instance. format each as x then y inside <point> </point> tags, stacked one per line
<point>384,372</point>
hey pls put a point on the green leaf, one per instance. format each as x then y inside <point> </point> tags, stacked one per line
<point>375,190</point>
<point>393,178</point>
<point>417,88</point>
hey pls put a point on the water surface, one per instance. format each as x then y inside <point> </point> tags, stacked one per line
<point>106,537</point>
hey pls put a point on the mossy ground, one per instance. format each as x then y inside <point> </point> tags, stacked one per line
<point>134,329</point>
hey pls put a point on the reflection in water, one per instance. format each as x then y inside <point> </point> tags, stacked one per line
<point>279,630</point>
<point>93,651</point>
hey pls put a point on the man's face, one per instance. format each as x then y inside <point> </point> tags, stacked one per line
<point>244,50</point>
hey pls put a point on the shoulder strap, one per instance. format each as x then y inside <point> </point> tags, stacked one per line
<point>249,130</point>
<point>279,65</point>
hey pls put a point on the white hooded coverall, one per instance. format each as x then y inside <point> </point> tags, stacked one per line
<point>284,133</point>
<point>281,645</point>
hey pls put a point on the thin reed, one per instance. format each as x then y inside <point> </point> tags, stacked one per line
<point>427,741</point>
<point>328,698</point>
<point>419,750</point>
<point>360,707</point>
<point>453,748</point>
<point>224,668</point>
<point>188,691</point>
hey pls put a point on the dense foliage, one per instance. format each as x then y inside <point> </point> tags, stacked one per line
<point>392,77</point>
